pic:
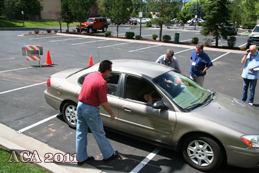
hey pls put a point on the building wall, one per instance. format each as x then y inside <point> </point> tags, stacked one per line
<point>49,5</point>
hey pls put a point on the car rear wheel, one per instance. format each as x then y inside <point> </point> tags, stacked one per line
<point>104,28</point>
<point>202,152</point>
<point>69,113</point>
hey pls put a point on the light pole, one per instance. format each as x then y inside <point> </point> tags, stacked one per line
<point>22,12</point>
<point>140,16</point>
<point>196,16</point>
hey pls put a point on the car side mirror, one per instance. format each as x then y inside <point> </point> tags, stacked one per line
<point>159,105</point>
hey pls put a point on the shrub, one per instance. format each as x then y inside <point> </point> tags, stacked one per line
<point>129,35</point>
<point>195,40</point>
<point>154,36</point>
<point>231,41</point>
<point>248,25</point>
<point>107,33</point>
<point>186,42</point>
<point>149,24</point>
<point>200,23</point>
<point>242,48</point>
<point>207,41</point>
<point>48,30</point>
<point>36,31</point>
<point>166,38</point>
<point>56,31</point>
<point>137,37</point>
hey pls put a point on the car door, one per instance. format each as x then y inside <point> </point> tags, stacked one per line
<point>113,99</point>
<point>138,117</point>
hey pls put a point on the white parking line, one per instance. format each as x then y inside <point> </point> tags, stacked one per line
<point>144,48</point>
<point>66,39</point>
<point>113,45</point>
<point>242,45</point>
<point>186,40</point>
<point>183,50</point>
<point>22,88</point>
<point>220,56</point>
<point>38,123</point>
<point>44,37</point>
<point>146,160</point>
<point>88,42</point>
<point>14,69</point>
<point>7,58</point>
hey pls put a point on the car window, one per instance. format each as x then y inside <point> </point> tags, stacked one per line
<point>141,90</point>
<point>181,90</point>
<point>112,82</point>
<point>256,29</point>
<point>90,20</point>
<point>100,20</point>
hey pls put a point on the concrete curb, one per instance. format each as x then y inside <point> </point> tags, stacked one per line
<point>150,42</point>
<point>14,141</point>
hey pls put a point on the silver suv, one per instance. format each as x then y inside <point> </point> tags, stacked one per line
<point>253,38</point>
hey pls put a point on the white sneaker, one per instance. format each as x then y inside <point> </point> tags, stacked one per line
<point>251,104</point>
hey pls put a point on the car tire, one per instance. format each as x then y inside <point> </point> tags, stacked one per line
<point>104,28</point>
<point>202,152</point>
<point>90,30</point>
<point>69,113</point>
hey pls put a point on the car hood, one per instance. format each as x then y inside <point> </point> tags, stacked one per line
<point>255,34</point>
<point>232,113</point>
<point>87,23</point>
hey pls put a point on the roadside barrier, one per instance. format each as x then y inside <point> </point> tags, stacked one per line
<point>32,53</point>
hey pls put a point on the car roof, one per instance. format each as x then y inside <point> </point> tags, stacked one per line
<point>140,67</point>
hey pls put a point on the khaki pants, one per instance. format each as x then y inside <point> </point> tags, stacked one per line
<point>198,79</point>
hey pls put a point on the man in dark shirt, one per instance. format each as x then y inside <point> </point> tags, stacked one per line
<point>200,62</point>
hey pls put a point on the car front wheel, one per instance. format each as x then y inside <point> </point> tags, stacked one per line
<point>90,30</point>
<point>69,113</point>
<point>202,152</point>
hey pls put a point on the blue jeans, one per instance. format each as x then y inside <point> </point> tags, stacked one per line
<point>246,83</point>
<point>89,116</point>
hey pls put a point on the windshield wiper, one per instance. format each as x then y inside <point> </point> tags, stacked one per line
<point>194,106</point>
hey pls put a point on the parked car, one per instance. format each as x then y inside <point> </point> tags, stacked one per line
<point>133,21</point>
<point>253,38</point>
<point>93,24</point>
<point>208,127</point>
<point>231,28</point>
<point>143,21</point>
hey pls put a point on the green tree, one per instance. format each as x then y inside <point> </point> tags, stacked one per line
<point>236,16</point>
<point>183,16</point>
<point>118,11</point>
<point>196,8</point>
<point>250,10</point>
<point>66,13</point>
<point>164,10</point>
<point>80,9</point>
<point>215,18</point>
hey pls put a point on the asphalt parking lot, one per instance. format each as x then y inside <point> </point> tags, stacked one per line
<point>23,104</point>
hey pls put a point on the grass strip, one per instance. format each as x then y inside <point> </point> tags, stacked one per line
<point>17,167</point>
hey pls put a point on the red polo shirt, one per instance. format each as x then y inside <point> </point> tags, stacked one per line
<point>94,89</point>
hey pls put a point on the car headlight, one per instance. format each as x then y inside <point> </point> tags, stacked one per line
<point>251,140</point>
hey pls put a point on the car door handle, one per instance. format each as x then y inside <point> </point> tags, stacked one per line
<point>127,110</point>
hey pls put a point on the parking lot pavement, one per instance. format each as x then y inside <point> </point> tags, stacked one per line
<point>22,99</point>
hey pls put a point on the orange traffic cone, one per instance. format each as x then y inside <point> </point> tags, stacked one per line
<point>90,61</point>
<point>48,59</point>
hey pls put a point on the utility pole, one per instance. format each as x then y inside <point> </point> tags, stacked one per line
<point>196,16</point>
<point>140,16</point>
<point>22,12</point>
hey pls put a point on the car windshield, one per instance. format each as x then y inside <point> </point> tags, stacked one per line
<point>182,90</point>
<point>90,20</point>
<point>256,29</point>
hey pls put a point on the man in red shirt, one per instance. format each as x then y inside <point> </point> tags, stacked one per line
<point>92,95</point>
